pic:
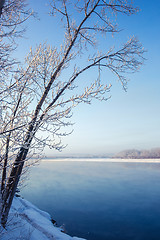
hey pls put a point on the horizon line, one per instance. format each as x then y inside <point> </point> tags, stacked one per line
<point>121,160</point>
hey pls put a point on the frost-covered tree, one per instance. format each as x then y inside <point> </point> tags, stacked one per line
<point>48,86</point>
<point>13,14</point>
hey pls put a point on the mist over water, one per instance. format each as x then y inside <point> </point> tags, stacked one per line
<point>99,200</point>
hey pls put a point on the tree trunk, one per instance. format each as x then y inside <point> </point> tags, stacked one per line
<point>11,186</point>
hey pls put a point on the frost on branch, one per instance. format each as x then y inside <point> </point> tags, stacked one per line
<point>38,98</point>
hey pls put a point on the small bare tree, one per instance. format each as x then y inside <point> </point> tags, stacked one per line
<point>46,83</point>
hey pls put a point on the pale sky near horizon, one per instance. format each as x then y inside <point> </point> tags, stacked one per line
<point>128,119</point>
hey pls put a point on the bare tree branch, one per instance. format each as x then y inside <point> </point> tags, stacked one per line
<point>40,97</point>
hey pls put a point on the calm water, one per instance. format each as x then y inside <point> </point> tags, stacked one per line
<point>99,200</point>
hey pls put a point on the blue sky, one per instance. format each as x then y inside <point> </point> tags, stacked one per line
<point>129,119</point>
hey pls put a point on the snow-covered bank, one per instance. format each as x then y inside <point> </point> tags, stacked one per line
<point>27,222</point>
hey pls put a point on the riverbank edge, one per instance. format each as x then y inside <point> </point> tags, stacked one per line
<point>26,221</point>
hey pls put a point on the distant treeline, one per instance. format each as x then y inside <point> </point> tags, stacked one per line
<point>133,153</point>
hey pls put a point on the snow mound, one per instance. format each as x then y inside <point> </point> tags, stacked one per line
<point>27,222</point>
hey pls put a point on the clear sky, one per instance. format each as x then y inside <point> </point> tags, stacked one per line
<point>129,119</point>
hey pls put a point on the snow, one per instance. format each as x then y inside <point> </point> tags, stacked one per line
<point>27,222</point>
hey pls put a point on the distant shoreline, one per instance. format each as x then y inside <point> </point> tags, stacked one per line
<point>129,160</point>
